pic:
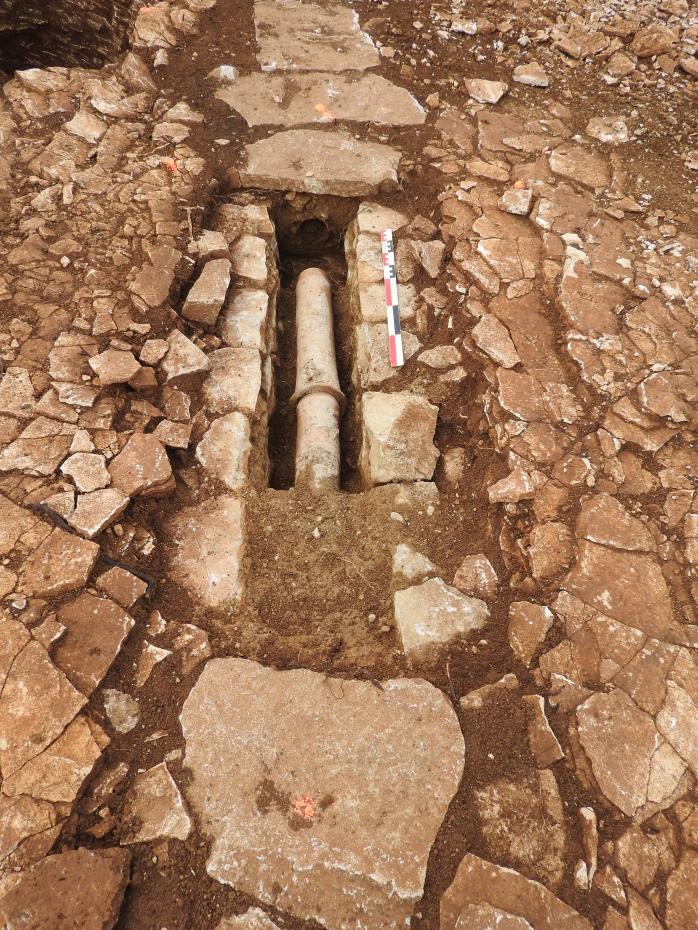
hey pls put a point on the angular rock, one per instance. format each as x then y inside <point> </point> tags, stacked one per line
<point>476,577</point>
<point>320,163</point>
<point>531,74</point>
<point>122,586</point>
<point>208,542</point>
<point>338,826</point>
<point>153,808</point>
<point>494,339</point>
<point>433,614</point>
<point>485,91</point>
<point>604,520</point>
<point>115,366</point>
<point>206,298</point>
<point>579,164</point>
<point>63,562</point>
<point>609,129</point>
<point>253,919</point>
<point>224,451</point>
<point>528,626</point>
<point>183,357</point>
<point>142,467</point>
<point>243,321</point>
<point>249,258</point>
<point>411,564</point>
<point>235,381</point>
<point>551,550</point>
<point>121,709</point>
<point>543,743</point>
<point>479,882</point>
<point>95,511</point>
<point>81,888</point>
<point>682,905</point>
<point>372,359</point>
<point>95,631</point>
<point>398,432</point>
<point>17,395</point>
<point>619,740</point>
<point>625,586</point>
<point>36,705</point>
<point>88,471</point>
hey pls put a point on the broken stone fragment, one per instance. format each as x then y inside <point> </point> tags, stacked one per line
<point>531,74</point>
<point>88,471</point>
<point>224,452</point>
<point>148,657</point>
<point>63,562</point>
<point>121,709</point>
<point>115,366</point>
<point>96,510</point>
<point>579,164</point>
<point>122,586</point>
<point>528,626</point>
<point>142,467</point>
<point>432,615</point>
<point>17,394</point>
<point>248,256</point>
<point>623,585</point>
<point>493,338</point>
<point>603,519</point>
<point>479,882</point>
<point>411,564</point>
<point>551,550</point>
<point>95,631</point>
<point>183,357</point>
<point>486,91</point>
<point>516,201</point>
<point>243,323</point>
<point>234,382</point>
<point>440,357</point>
<point>87,126</point>
<point>206,298</point>
<point>79,888</point>
<point>398,432</point>
<point>371,780</point>
<point>610,129</point>
<point>476,577</point>
<point>542,742</point>
<point>191,643</point>
<point>621,743</point>
<point>208,542</point>
<point>372,359</point>
<point>153,808</point>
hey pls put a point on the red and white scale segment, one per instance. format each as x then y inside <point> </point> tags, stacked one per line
<point>392,306</point>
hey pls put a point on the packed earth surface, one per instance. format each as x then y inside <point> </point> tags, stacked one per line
<point>458,687</point>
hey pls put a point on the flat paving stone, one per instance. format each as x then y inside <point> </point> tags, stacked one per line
<point>300,99</point>
<point>320,162</point>
<point>322,796</point>
<point>293,35</point>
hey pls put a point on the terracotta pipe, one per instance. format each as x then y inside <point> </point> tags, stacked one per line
<point>318,396</point>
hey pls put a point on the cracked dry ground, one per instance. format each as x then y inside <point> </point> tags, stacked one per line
<point>462,690</point>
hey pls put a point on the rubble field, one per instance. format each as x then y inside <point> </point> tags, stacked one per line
<point>452,684</point>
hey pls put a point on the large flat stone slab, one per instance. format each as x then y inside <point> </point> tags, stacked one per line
<point>293,35</point>
<point>322,796</point>
<point>208,547</point>
<point>300,99</point>
<point>320,162</point>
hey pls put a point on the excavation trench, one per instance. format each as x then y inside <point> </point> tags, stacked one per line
<point>311,246</point>
<point>66,33</point>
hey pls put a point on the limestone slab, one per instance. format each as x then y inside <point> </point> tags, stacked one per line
<point>154,809</point>
<point>322,796</point>
<point>398,434</point>
<point>208,550</point>
<point>224,452</point>
<point>81,888</point>
<point>301,99</point>
<point>320,162</point>
<point>434,614</point>
<point>294,35</point>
